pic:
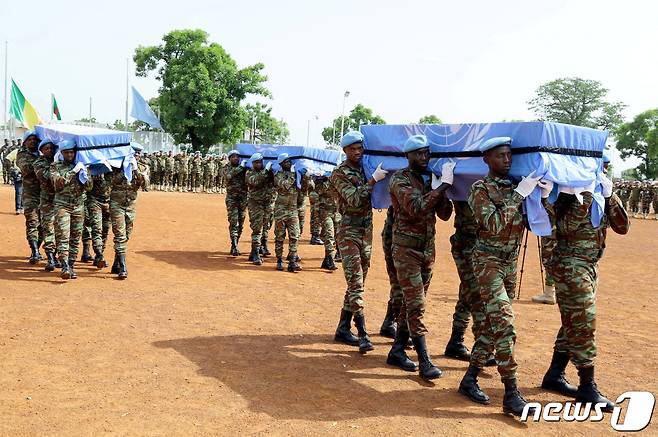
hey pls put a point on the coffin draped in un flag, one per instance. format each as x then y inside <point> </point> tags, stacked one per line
<point>99,149</point>
<point>570,156</point>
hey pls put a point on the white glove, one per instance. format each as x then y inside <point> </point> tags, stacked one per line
<point>436,182</point>
<point>79,166</point>
<point>527,185</point>
<point>133,161</point>
<point>292,168</point>
<point>606,186</point>
<point>243,163</point>
<point>448,172</point>
<point>268,166</point>
<point>379,173</point>
<point>546,188</point>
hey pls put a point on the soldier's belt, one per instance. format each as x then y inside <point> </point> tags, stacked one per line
<point>361,222</point>
<point>570,247</point>
<point>409,242</point>
<point>505,254</point>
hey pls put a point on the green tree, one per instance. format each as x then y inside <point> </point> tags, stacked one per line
<point>87,120</point>
<point>358,116</point>
<point>639,138</point>
<point>117,125</point>
<point>269,130</point>
<point>429,119</point>
<point>577,101</point>
<point>202,88</point>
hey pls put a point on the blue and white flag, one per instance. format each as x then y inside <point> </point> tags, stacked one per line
<point>142,111</point>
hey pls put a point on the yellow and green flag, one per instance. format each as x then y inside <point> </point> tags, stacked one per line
<point>21,109</point>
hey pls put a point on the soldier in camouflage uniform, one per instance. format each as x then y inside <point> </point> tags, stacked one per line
<point>25,158</point>
<point>646,197</point>
<point>315,222</point>
<point>354,236</point>
<point>169,162</point>
<point>624,193</point>
<point>236,198</point>
<point>97,218</point>
<point>635,198</point>
<point>417,200</point>
<point>259,182</point>
<point>223,162</point>
<point>69,206</point>
<point>579,247</point>
<point>389,325</point>
<point>655,199</point>
<point>46,201</point>
<point>196,172</point>
<point>286,215</point>
<point>123,195</point>
<point>548,296</point>
<point>208,169</point>
<point>268,221</point>
<point>496,206</point>
<point>328,217</point>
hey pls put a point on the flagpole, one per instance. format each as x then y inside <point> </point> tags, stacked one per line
<point>127,85</point>
<point>4,107</point>
<point>52,106</point>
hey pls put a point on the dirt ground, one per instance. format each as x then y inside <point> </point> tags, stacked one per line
<point>198,342</point>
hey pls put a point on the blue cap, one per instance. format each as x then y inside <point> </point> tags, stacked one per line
<point>492,143</point>
<point>136,146</point>
<point>46,141</point>
<point>415,142</point>
<point>351,138</point>
<point>233,152</point>
<point>66,145</point>
<point>282,157</point>
<point>606,156</point>
<point>255,157</point>
<point>28,134</point>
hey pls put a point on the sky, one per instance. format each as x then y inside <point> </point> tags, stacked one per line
<point>467,61</point>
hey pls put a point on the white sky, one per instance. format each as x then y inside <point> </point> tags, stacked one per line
<point>469,61</point>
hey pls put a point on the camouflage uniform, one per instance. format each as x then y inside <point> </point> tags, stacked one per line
<point>236,199</point>
<point>315,222</point>
<point>416,207</point>
<point>46,202</point>
<point>169,163</point>
<point>123,195</point>
<point>69,204</point>
<point>286,215</point>
<point>396,296</point>
<point>259,185</point>
<point>497,210</point>
<point>196,173</point>
<point>575,268</point>
<point>208,169</point>
<point>327,216</point>
<point>31,194</point>
<point>646,197</point>
<point>221,175</point>
<point>97,217</point>
<point>184,173</point>
<point>354,232</point>
<point>635,198</point>
<point>547,247</point>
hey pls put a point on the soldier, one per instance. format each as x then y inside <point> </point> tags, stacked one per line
<point>269,218</point>
<point>97,217</point>
<point>580,246</point>
<point>285,212</point>
<point>315,222</point>
<point>354,236</point>
<point>208,169</point>
<point>389,325</point>
<point>547,246</point>
<point>655,199</point>
<point>236,198</point>
<point>25,158</point>
<point>646,197</point>
<point>222,174</point>
<point>624,194</point>
<point>416,201</point>
<point>196,172</point>
<point>17,181</point>
<point>496,206</point>
<point>169,163</point>
<point>4,151</point>
<point>69,206</point>
<point>328,218</point>
<point>184,173</point>
<point>42,165</point>
<point>259,179</point>
<point>123,195</point>
<point>635,198</point>
<point>145,161</point>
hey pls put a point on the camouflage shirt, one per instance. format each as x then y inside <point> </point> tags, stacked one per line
<point>102,186</point>
<point>235,180</point>
<point>123,192</point>
<point>352,191</point>
<point>69,191</point>
<point>42,171</point>
<point>465,224</point>
<point>259,185</point>
<point>326,195</point>
<point>285,185</point>
<point>25,162</point>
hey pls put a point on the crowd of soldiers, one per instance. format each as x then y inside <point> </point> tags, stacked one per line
<point>63,204</point>
<point>640,198</point>
<point>186,173</point>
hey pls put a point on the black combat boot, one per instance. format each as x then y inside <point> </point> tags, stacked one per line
<point>234,247</point>
<point>426,369</point>
<point>34,248</point>
<point>328,263</point>
<point>397,356</point>
<point>456,347</point>
<point>115,264</point>
<point>364,340</point>
<point>470,388</point>
<point>235,242</point>
<point>343,332</point>
<point>50,264</point>
<point>338,258</point>
<point>74,275</point>
<point>279,264</point>
<point>256,256</point>
<point>66,270</point>
<point>99,260</point>
<point>513,402</point>
<point>315,240</point>
<point>263,246</point>
<point>123,269</point>
<point>58,265</point>
<point>491,361</point>
<point>86,252</point>
<point>293,267</point>
<point>555,380</point>
<point>588,392</point>
<point>388,325</point>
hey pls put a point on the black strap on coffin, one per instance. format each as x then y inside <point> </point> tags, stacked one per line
<point>267,158</point>
<point>477,153</point>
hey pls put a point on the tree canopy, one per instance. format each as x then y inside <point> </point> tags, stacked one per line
<point>639,138</point>
<point>269,130</point>
<point>358,116</point>
<point>429,119</point>
<point>577,101</point>
<point>202,88</point>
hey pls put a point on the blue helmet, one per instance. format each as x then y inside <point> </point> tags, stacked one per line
<point>47,141</point>
<point>492,143</point>
<point>255,157</point>
<point>28,134</point>
<point>415,142</point>
<point>282,157</point>
<point>233,152</point>
<point>351,138</point>
<point>607,156</point>
<point>66,145</point>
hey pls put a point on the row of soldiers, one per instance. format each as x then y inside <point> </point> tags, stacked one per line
<point>63,204</point>
<point>5,153</point>
<point>186,173</point>
<point>639,197</point>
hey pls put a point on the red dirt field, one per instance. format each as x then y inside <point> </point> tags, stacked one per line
<point>198,342</point>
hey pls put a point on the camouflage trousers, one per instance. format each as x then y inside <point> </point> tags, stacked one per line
<point>183,180</point>
<point>329,223</point>
<point>69,220</point>
<point>634,204</point>
<point>469,290</point>
<point>315,223</point>
<point>123,218</point>
<point>195,180</point>
<point>47,216</point>
<point>646,206</point>
<point>236,206</point>
<point>547,247</point>
<point>497,284</point>
<point>208,182</point>
<point>97,222</point>
<point>396,297</point>
<point>168,178</point>
<point>301,212</point>
<point>414,272</point>
<point>286,221</point>
<point>256,221</point>
<point>33,230</point>
<point>268,220</point>
<point>355,245</point>
<point>575,290</point>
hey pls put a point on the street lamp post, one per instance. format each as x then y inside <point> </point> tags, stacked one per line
<point>342,115</point>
